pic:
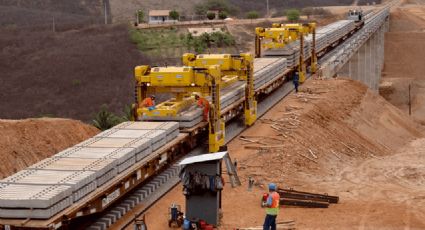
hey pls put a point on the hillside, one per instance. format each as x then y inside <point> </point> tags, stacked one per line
<point>66,74</point>
<point>17,13</point>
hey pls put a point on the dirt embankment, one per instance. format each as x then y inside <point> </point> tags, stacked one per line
<point>335,137</point>
<point>25,142</point>
<point>404,50</point>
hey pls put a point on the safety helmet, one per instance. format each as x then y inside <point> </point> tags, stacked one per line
<point>272,187</point>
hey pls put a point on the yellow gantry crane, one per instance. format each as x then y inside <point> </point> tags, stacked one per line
<point>280,35</point>
<point>206,74</point>
<point>234,68</point>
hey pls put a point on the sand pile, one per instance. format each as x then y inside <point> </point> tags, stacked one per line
<point>315,141</point>
<point>25,142</point>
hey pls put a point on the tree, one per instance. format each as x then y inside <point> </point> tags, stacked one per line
<point>220,5</point>
<point>293,14</point>
<point>252,15</point>
<point>140,16</point>
<point>211,15</point>
<point>104,119</point>
<point>222,15</point>
<point>174,15</point>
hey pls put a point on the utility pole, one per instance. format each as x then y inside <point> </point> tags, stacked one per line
<point>410,102</point>
<point>106,13</point>
<point>53,24</point>
<point>268,12</point>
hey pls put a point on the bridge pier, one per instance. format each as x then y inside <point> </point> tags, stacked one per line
<point>365,65</point>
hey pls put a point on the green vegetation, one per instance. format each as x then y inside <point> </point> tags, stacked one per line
<point>293,14</point>
<point>252,14</point>
<point>220,5</point>
<point>141,16</point>
<point>174,15</point>
<point>210,16</point>
<point>216,39</point>
<point>222,15</point>
<point>76,82</point>
<point>153,39</point>
<point>170,38</point>
<point>105,119</point>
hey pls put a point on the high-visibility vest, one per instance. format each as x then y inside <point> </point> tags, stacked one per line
<point>274,208</point>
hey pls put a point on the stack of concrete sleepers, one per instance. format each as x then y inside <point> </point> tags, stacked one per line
<point>231,94</point>
<point>142,146</point>
<point>44,191</point>
<point>330,34</point>
<point>337,30</point>
<point>266,69</point>
<point>104,169</point>
<point>33,200</point>
<point>320,41</point>
<point>289,52</point>
<point>125,157</point>
<point>81,182</point>
<point>187,118</point>
<point>53,184</point>
<point>171,128</point>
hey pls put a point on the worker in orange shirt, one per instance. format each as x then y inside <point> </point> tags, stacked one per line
<point>205,104</point>
<point>149,103</point>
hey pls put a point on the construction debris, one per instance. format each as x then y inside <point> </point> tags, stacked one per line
<point>305,199</point>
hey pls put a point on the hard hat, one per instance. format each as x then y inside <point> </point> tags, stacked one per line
<point>272,187</point>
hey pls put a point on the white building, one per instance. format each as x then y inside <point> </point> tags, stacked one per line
<point>160,16</point>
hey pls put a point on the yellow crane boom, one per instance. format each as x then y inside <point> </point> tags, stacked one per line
<point>280,35</point>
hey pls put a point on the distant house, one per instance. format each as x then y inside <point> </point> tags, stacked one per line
<point>160,16</point>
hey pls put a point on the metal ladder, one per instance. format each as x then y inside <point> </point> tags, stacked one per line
<point>231,170</point>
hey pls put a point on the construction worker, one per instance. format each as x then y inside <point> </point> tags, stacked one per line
<point>296,80</point>
<point>203,103</point>
<point>272,208</point>
<point>149,103</point>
